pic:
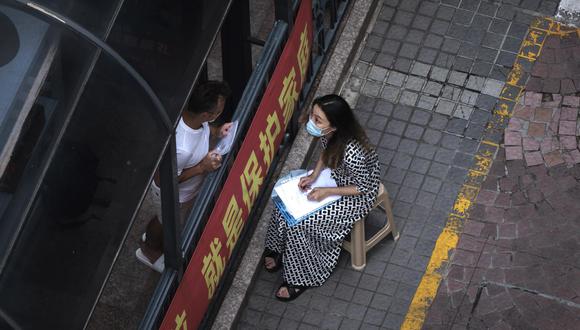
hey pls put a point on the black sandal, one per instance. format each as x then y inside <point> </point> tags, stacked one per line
<point>294,291</point>
<point>277,260</point>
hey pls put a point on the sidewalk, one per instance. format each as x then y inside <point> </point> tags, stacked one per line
<point>517,264</point>
<point>424,85</point>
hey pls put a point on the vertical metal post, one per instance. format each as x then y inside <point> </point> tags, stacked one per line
<point>283,11</point>
<point>170,209</point>
<point>236,52</point>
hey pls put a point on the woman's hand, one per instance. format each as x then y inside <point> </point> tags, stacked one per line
<point>318,194</point>
<point>306,181</point>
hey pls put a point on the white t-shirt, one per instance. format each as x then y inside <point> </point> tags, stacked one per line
<point>191,145</point>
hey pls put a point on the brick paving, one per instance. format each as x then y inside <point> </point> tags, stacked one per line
<point>517,263</point>
<point>545,127</point>
<point>424,85</point>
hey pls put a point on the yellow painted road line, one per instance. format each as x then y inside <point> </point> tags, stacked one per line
<point>427,290</point>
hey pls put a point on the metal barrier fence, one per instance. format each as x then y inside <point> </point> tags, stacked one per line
<point>212,186</point>
<point>326,16</point>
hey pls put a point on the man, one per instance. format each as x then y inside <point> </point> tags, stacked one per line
<point>194,161</point>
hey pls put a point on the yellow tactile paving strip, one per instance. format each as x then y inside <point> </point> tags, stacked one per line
<point>530,49</point>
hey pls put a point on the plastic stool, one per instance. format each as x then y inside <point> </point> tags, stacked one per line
<point>358,245</point>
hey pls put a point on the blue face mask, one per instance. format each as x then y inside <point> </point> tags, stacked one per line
<point>313,129</point>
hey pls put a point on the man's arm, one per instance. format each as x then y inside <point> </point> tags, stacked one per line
<point>211,162</point>
<point>190,172</point>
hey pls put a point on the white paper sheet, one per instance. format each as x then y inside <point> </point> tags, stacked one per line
<point>225,144</point>
<point>296,201</point>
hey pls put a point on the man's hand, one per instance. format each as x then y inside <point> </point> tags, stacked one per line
<point>318,194</point>
<point>211,162</point>
<point>225,129</point>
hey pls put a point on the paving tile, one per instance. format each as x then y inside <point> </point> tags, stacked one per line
<point>506,59</point>
<point>533,158</point>
<point>537,130</point>
<point>374,317</point>
<point>409,50</point>
<point>377,122</point>
<point>343,292</point>
<point>397,32</point>
<point>401,160</point>
<point>463,64</point>
<point>475,83</point>
<point>402,112</point>
<point>463,111</point>
<point>350,324</point>
<point>408,98</point>
<point>432,88</point>
<point>402,64</point>
<point>553,158</point>
<point>512,139</point>
<point>390,93</point>
<point>456,126</point>
<point>407,146</point>
<point>445,107</point>
<point>568,114</point>
<point>513,153</point>
<point>568,142</point>
<point>451,93</point>
<point>415,36</point>
<point>543,115</point>
<point>426,151</point>
<point>432,136</point>
<point>395,175</point>
<point>414,131</point>
<point>567,127</point>
<point>439,27</point>
<point>420,117</point>
<point>468,97</point>
<point>572,101</point>
<point>413,180</point>
<point>396,78</point>
<point>395,127</point>
<point>421,69</point>
<point>530,144</point>
<point>427,55</point>
<point>378,73</point>
<point>493,87</point>
<point>457,78</point>
<point>438,121</point>
<point>391,47</point>
<point>381,302</point>
<point>485,102</point>
<point>383,108</point>
<point>371,88</point>
<point>415,83</point>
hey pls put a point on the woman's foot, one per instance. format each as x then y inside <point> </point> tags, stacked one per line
<point>272,261</point>
<point>289,292</point>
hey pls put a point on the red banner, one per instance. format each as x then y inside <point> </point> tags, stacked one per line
<point>245,179</point>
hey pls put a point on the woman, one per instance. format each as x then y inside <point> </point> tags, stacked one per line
<point>309,250</point>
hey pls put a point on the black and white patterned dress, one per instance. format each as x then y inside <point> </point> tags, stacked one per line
<point>312,247</point>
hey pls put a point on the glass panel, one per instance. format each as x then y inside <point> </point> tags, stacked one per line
<point>86,201</point>
<point>40,83</point>
<point>95,16</point>
<point>166,42</point>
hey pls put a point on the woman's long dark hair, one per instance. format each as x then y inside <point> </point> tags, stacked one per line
<point>340,116</point>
